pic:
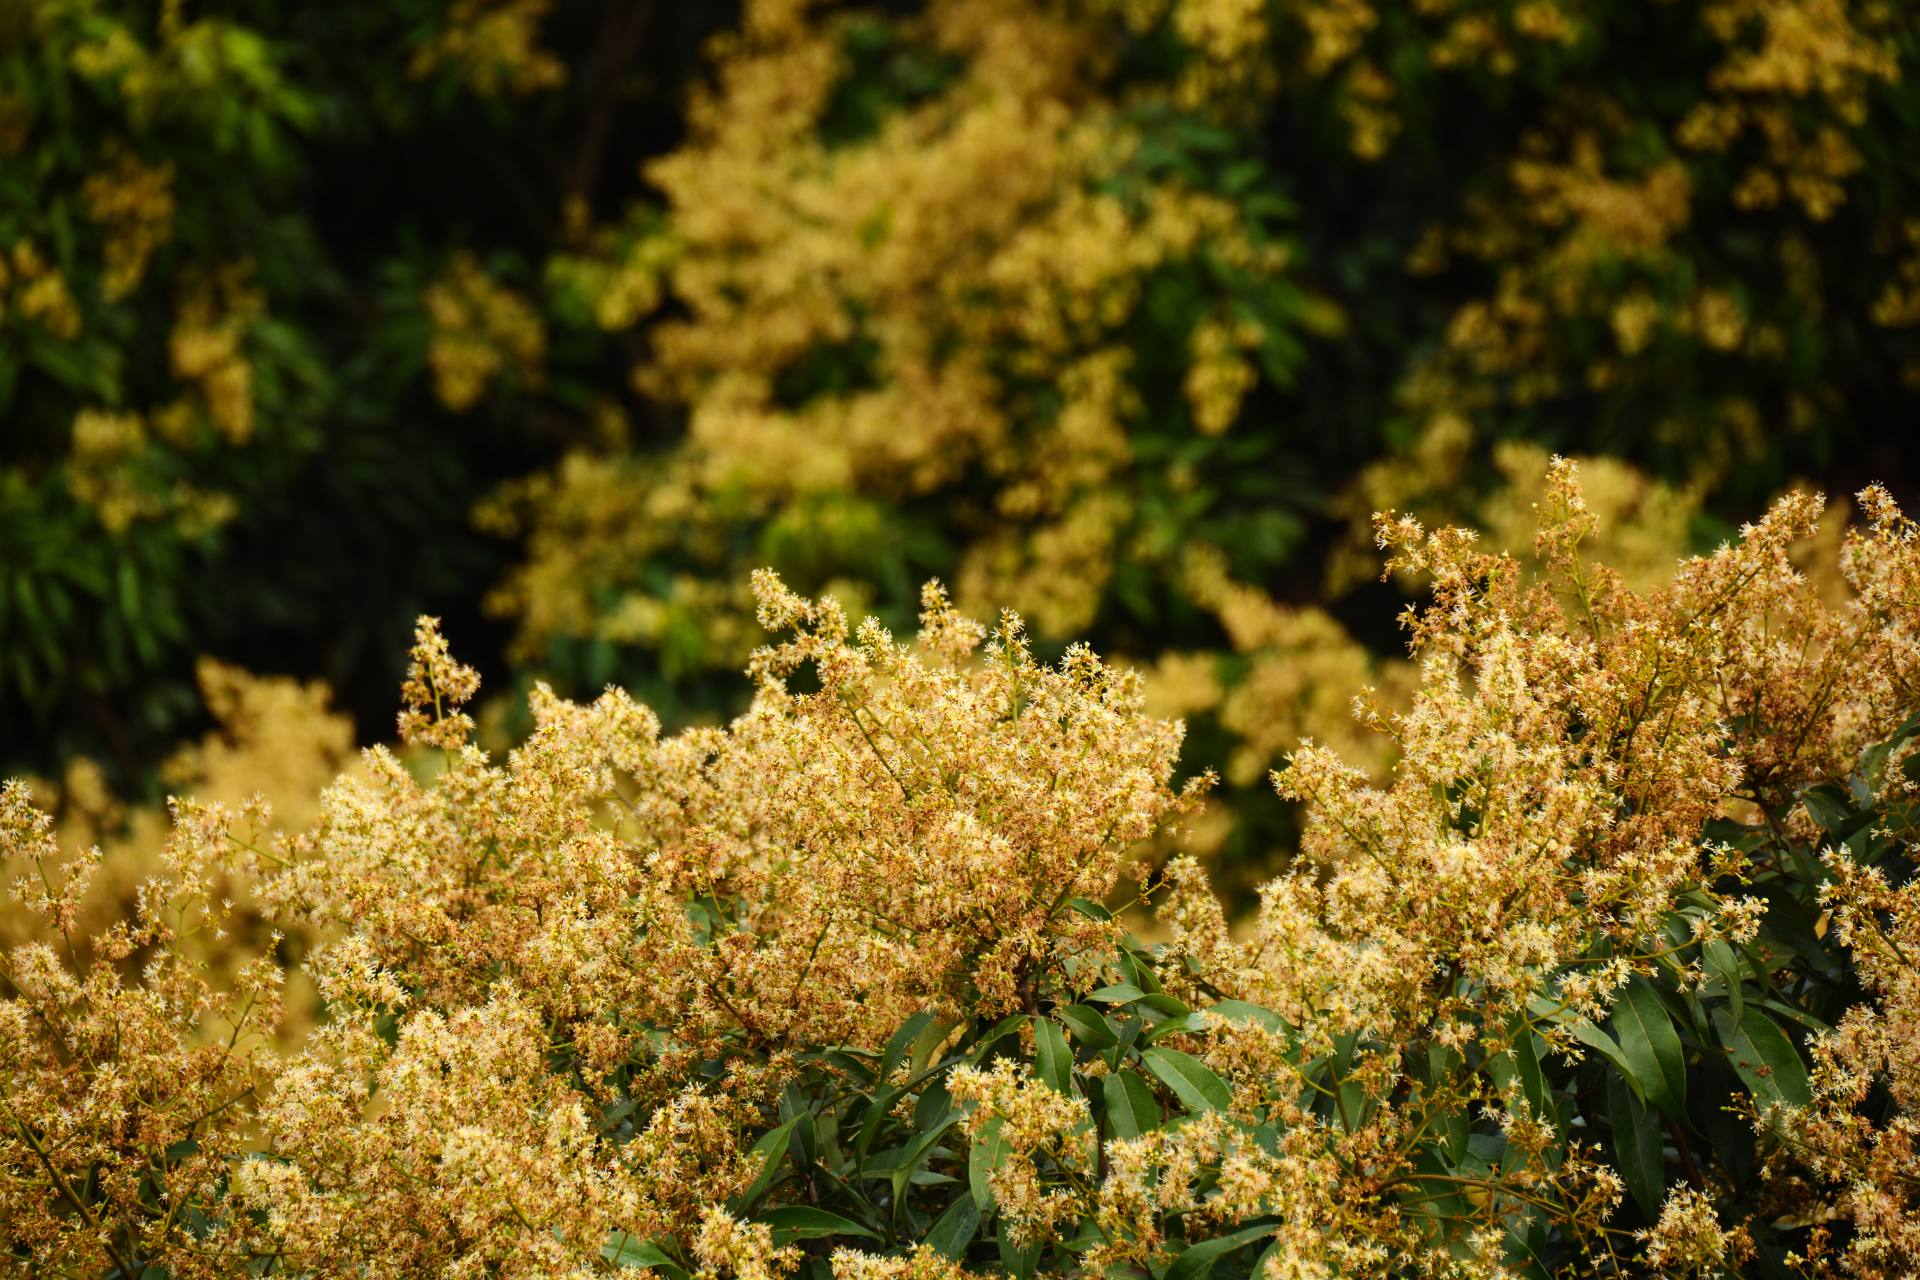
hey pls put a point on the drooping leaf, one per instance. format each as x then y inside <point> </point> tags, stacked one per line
<point>1019,1263</point>
<point>902,1041</point>
<point>916,1153</point>
<point>1638,1147</point>
<point>1652,1049</point>
<point>1583,1030</point>
<point>994,1035</point>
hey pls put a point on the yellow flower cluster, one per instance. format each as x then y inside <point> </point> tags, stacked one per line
<point>621,277</point>
<point>1641,524</point>
<point>205,349</point>
<point>35,290</point>
<point>1219,376</point>
<point>481,329</point>
<point>909,836</point>
<point>1827,54</point>
<point>967,253</point>
<point>1304,670</point>
<point>1037,1123</point>
<point>104,472</point>
<point>1602,196</point>
<point>493,48</point>
<point>1877,1043</point>
<point>130,1095</point>
<point>1811,684</point>
<point>1569,741</point>
<point>107,461</point>
<point>134,205</point>
<point>275,742</point>
<point>568,993</point>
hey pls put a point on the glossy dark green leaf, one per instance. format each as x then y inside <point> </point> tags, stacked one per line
<point>1089,1026</point>
<point>1195,1261</point>
<point>1652,1048</point>
<point>1131,1109</point>
<point>1763,1057</point>
<point>1243,1011</point>
<point>879,1110</point>
<point>626,1250</point>
<point>954,1230</point>
<point>1828,807</point>
<point>804,1222</point>
<point>1723,962</point>
<point>1052,1058</point>
<point>1185,1024</point>
<point>988,1153</point>
<point>916,1154</point>
<point>994,1035</point>
<point>902,1041</point>
<point>1189,1078</point>
<point>1583,1030</point>
<point>1019,1263</point>
<point>1638,1147</point>
<point>769,1152</point>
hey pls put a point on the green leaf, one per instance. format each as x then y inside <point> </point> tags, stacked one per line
<point>804,1222</point>
<point>1052,1057</point>
<point>1581,1029</point>
<point>1089,1026</point>
<point>1118,993</point>
<point>1139,968</point>
<point>994,1035</point>
<point>770,1150</point>
<point>1242,1011</point>
<point>988,1153</point>
<point>1019,1263</point>
<point>879,1109</point>
<point>1652,1049</point>
<point>1190,1079</point>
<point>1196,1260</point>
<point>1764,1058</point>
<point>902,1041</point>
<point>1637,1147</point>
<point>1827,807</point>
<point>1131,1110</point>
<point>1723,962</point>
<point>623,1249</point>
<point>1164,1005</point>
<point>916,1154</point>
<point>955,1229</point>
<point>1526,1060</point>
<point>1185,1024</point>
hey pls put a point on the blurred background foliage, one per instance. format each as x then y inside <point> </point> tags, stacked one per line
<point>558,316</point>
